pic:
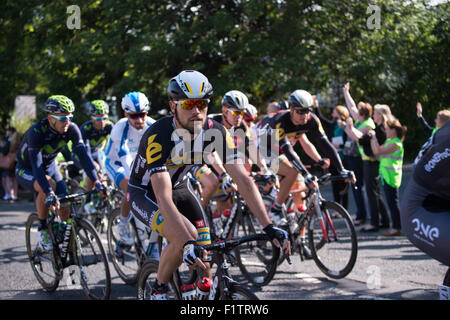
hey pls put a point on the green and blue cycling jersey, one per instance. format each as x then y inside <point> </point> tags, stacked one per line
<point>95,140</point>
<point>40,147</point>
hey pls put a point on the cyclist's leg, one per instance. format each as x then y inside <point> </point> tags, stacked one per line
<point>286,169</point>
<point>209,183</point>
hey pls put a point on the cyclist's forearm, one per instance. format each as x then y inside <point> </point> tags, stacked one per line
<point>86,161</point>
<point>294,159</point>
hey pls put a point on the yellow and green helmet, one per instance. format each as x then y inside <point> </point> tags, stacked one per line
<point>98,107</point>
<point>59,104</point>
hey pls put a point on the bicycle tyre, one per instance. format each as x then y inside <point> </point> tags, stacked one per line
<point>347,248</point>
<point>124,260</point>
<point>238,292</point>
<point>49,280</point>
<point>92,261</point>
<point>262,271</point>
<point>147,277</point>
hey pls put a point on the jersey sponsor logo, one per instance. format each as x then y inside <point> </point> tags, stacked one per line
<point>426,233</point>
<point>154,149</point>
<point>204,236</point>
<point>199,223</point>
<point>437,157</point>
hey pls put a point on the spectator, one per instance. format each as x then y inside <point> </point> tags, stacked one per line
<point>391,161</point>
<point>441,118</point>
<point>360,135</point>
<point>8,151</point>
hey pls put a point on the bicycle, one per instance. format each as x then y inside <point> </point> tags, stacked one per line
<point>78,248</point>
<point>257,260</point>
<point>223,286</point>
<point>331,234</point>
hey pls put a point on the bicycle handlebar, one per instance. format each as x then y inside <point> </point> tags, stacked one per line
<point>229,244</point>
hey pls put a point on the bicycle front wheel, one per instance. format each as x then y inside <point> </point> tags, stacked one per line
<point>91,260</point>
<point>257,260</point>
<point>42,262</point>
<point>333,241</point>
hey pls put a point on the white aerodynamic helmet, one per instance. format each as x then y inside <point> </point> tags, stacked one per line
<point>135,102</point>
<point>300,99</point>
<point>189,84</point>
<point>251,113</point>
<point>235,99</point>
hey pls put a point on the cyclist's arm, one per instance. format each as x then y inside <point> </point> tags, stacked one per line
<point>309,148</point>
<point>80,150</point>
<point>292,156</point>
<point>249,192</point>
<point>38,169</point>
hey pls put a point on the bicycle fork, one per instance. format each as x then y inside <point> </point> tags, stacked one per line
<point>324,220</point>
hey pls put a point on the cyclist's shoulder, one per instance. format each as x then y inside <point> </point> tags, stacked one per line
<point>119,127</point>
<point>216,117</point>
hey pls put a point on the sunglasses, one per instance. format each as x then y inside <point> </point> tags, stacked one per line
<point>302,110</point>
<point>62,118</point>
<point>237,112</point>
<point>137,115</point>
<point>100,118</point>
<point>190,104</point>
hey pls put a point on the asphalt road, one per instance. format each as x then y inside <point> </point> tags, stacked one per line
<point>386,268</point>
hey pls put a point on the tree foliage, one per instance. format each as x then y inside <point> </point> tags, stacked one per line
<point>265,48</point>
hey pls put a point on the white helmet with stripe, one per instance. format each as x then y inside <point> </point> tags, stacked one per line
<point>300,99</point>
<point>135,102</point>
<point>189,84</point>
<point>235,99</point>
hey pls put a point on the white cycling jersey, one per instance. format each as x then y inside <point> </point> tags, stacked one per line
<point>122,147</point>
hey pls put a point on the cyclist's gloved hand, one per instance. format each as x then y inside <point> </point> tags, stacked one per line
<point>348,175</point>
<point>100,187</point>
<point>192,251</point>
<point>226,181</point>
<point>280,235</point>
<point>51,200</point>
<point>324,163</point>
<point>310,181</point>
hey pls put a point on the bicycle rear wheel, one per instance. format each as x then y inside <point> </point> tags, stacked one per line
<point>42,263</point>
<point>333,243</point>
<point>126,260</point>
<point>257,260</point>
<point>91,260</point>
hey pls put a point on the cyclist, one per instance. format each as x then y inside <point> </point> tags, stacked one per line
<point>95,133</point>
<point>160,193</point>
<point>287,127</point>
<point>121,150</point>
<point>36,167</point>
<point>425,208</point>
<point>234,105</point>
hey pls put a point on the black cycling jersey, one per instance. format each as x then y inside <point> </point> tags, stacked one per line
<point>162,149</point>
<point>241,134</point>
<point>432,171</point>
<point>40,146</point>
<point>287,133</point>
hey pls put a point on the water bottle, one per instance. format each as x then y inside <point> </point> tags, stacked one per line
<point>188,292</point>
<point>291,220</point>
<point>217,222</point>
<point>203,288</point>
<point>225,214</point>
